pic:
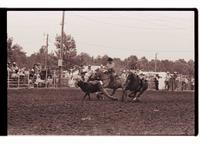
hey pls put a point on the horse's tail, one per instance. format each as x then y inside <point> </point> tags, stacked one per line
<point>144,85</point>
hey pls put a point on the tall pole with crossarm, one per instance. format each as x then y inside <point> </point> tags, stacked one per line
<point>60,61</point>
<point>46,59</point>
<point>156,62</point>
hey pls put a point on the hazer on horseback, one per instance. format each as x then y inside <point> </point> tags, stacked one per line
<point>110,69</point>
<point>135,85</point>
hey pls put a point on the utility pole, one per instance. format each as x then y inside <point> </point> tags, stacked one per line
<point>156,62</point>
<point>60,61</point>
<point>46,58</point>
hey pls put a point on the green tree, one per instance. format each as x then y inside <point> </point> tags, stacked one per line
<point>69,50</point>
<point>104,59</point>
<point>84,59</point>
<point>131,62</point>
<point>143,63</point>
<point>38,57</point>
<point>191,69</point>
<point>9,49</point>
<point>15,53</point>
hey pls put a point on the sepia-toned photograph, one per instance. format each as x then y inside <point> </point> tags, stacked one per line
<point>101,72</point>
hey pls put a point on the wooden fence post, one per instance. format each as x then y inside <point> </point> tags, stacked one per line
<point>54,79</point>
<point>18,81</point>
<point>8,79</point>
<point>28,79</point>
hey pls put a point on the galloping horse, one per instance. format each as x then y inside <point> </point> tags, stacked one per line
<point>135,85</point>
<point>108,80</point>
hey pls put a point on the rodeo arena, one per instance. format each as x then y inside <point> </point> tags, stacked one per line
<point>53,109</point>
<point>98,100</point>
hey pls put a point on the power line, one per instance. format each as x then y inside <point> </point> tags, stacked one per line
<point>128,26</point>
<point>143,50</point>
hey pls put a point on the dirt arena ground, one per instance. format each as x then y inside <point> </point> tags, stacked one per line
<point>62,112</point>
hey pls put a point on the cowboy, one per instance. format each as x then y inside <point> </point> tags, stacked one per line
<point>82,72</point>
<point>110,68</point>
<point>110,65</point>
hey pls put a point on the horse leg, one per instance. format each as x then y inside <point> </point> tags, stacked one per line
<point>132,94</point>
<point>137,96</point>
<point>124,95</point>
<point>113,92</point>
<point>89,96</point>
<point>99,95</point>
<point>84,96</point>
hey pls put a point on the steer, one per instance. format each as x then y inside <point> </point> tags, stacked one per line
<point>89,87</point>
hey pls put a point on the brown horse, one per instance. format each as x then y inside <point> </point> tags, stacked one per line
<point>109,80</point>
<point>135,85</point>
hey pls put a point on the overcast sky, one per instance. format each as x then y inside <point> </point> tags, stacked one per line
<point>117,34</point>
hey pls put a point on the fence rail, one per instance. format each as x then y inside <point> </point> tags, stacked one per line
<point>26,82</point>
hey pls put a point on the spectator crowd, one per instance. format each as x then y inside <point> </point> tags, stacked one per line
<point>38,76</point>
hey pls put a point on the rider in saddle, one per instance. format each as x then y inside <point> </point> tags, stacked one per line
<point>110,68</point>
<point>82,72</point>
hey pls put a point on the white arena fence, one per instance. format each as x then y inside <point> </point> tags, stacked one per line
<point>18,81</point>
<point>23,81</point>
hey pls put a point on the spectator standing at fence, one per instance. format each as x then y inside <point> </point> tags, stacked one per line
<point>9,65</point>
<point>31,74</point>
<point>192,83</point>
<point>15,68</point>
<point>9,69</point>
<point>183,83</point>
<point>167,78</point>
<point>174,81</point>
<point>22,72</point>
<point>37,68</point>
<point>156,81</point>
